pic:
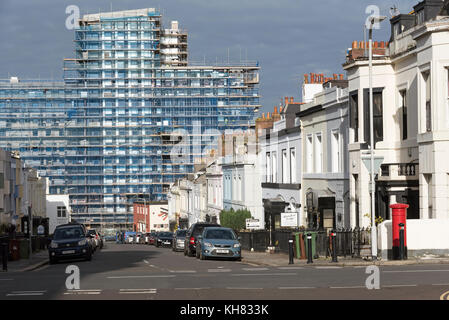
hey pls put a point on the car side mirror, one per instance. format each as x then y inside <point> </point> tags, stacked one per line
<point>200,237</point>
<point>238,238</point>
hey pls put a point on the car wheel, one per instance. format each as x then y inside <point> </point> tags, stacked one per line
<point>197,253</point>
<point>238,259</point>
<point>202,256</point>
<point>53,260</point>
<point>189,253</point>
<point>185,252</point>
<point>89,257</point>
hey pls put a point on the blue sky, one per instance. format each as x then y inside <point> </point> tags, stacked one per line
<point>287,37</point>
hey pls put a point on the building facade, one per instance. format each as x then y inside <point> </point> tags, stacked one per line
<point>325,134</point>
<point>129,118</point>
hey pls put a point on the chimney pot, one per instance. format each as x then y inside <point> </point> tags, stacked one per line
<point>355,44</point>
<point>342,76</point>
<point>306,78</point>
<point>291,99</point>
<point>285,101</point>
<point>275,110</point>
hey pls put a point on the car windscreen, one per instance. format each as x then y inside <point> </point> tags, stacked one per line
<point>165,234</point>
<point>221,234</point>
<point>68,233</point>
<point>181,233</point>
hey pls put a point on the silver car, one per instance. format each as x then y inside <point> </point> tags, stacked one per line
<point>178,240</point>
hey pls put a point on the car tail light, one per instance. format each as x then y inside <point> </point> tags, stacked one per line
<point>192,240</point>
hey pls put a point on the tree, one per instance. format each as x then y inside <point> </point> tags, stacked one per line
<point>235,220</point>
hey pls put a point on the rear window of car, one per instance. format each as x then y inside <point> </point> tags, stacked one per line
<point>165,234</point>
<point>68,233</point>
<point>199,229</point>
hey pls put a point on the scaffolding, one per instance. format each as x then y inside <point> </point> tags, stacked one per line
<point>109,129</point>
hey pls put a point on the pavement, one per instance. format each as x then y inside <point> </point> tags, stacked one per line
<point>281,259</point>
<point>38,259</point>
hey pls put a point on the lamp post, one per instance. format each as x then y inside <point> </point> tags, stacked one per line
<point>372,20</point>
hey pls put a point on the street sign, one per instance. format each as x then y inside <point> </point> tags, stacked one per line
<point>252,224</point>
<point>289,219</point>
<point>40,230</point>
<point>377,162</point>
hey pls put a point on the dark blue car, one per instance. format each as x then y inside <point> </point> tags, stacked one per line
<point>70,241</point>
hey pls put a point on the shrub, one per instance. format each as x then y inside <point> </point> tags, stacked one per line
<point>235,220</point>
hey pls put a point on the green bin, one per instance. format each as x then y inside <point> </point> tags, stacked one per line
<point>297,244</point>
<point>24,248</point>
<point>314,236</point>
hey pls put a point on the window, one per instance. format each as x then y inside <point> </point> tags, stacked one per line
<point>274,168</point>
<point>284,167</point>
<point>268,168</point>
<point>335,149</point>
<point>61,212</point>
<point>427,79</point>
<point>403,94</point>
<point>318,153</point>
<point>377,116</point>
<point>292,165</point>
<point>309,154</point>
<point>354,119</point>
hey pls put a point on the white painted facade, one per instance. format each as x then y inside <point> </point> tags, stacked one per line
<point>58,210</point>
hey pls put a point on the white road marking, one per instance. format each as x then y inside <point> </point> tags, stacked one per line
<point>238,288</point>
<point>218,270</point>
<point>146,261</point>
<point>349,287</point>
<point>192,288</point>
<point>262,274</point>
<point>328,267</point>
<point>25,294</point>
<point>136,277</point>
<point>411,271</point>
<point>440,284</point>
<point>292,288</point>
<point>137,291</point>
<point>399,285</point>
<point>88,291</point>
<point>290,268</point>
<point>183,271</point>
<point>254,269</point>
<point>31,291</point>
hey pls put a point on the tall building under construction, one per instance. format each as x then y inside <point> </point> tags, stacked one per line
<point>130,99</point>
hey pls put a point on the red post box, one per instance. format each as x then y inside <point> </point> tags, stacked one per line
<point>398,215</point>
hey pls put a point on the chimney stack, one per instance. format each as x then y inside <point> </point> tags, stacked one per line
<point>291,99</point>
<point>342,76</point>
<point>306,78</point>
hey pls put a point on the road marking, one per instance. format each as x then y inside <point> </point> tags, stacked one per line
<point>445,296</point>
<point>218,270</point>
<point>400,271</point>
<point>183,271</point>
<point>146,261</point>
<point>31,291</point>
<point>349,287</point>
<point>254,269</point>
<point>440,284</point>
<point>137,291</point>
<point>293,288</point>
<point>237,288</point>
<point>329,267</point>
<point>192,288</point>
<point>136,277</point>
<point>262,274</point>
<point>290,268</point>
<point>89,291</point>
<point>25,294</point>
<point>400,285</point>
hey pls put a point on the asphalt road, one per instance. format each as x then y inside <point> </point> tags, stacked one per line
<point>146,272</point>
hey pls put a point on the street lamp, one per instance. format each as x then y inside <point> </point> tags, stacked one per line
<point>373,20</point>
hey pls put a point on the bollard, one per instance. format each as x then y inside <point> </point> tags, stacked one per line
<point>290,250</point>
<point>309,248</point>
<point>401,241</point>
<point>334,246</point>
<point>5,256</point>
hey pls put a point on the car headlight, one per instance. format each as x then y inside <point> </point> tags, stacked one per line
<point>53,245</point>
<point>236,245</point>
<point>82,242</point>
<point>207,244</point>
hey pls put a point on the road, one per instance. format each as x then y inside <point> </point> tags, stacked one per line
<point>146,272</point>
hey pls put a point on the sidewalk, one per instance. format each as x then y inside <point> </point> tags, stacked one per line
<point>38,259</point>
<point>281,260</point>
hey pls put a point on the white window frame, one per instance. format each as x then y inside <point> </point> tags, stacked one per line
<point>309,153</point>
<point>318,152</point>
<point>285,167</point>
<point>335,151</point>
<point>293,165</point>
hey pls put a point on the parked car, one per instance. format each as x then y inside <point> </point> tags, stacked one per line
<point>164,239</point>
<point>191,237</point>
<point>110,237</point>
<point>95,238</point>
<point>178,240</point>
<point>140,237</point>
<point>129,236</point>
<point>101,238</point>
<point>218,242</point>
<point>70,241</point>
<point>147,238</point>
<point>152,238</point>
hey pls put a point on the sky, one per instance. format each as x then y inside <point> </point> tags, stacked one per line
<point>287,37</point>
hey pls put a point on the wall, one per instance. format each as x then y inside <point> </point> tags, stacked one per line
<point>52,203</point>
<point>424,236</point>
